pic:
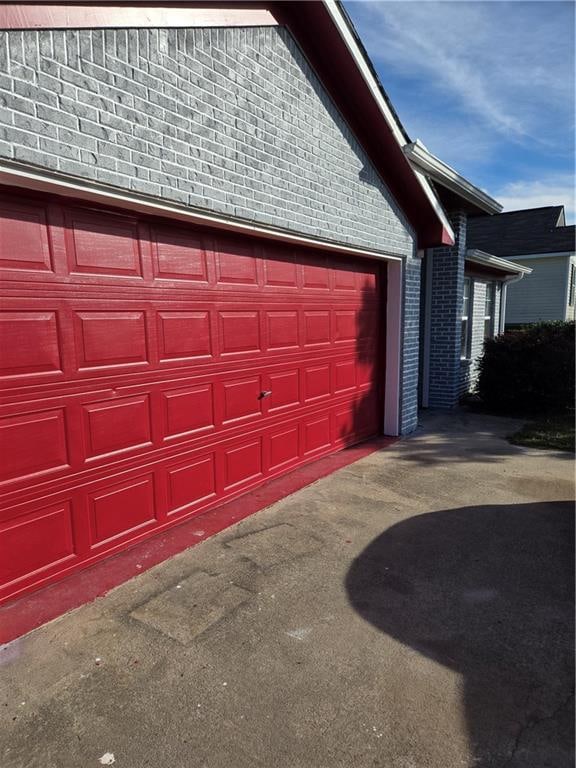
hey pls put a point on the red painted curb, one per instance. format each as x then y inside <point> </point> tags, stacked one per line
<point>31,611</point>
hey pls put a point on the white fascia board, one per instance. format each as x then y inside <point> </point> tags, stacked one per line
<point>495,262</point>
<point>343,28</point>
<point>58,184</point>
<point>449,178</point>
<point>552,255</point>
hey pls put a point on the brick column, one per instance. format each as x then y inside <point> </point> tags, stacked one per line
<point>447,276</point>
<point>410,345</point>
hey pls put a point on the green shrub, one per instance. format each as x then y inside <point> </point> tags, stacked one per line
<point>529,371</point>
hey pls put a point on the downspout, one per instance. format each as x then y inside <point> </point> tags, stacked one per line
<point>505,283</point>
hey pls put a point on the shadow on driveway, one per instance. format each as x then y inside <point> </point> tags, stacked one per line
<point>486,591</point>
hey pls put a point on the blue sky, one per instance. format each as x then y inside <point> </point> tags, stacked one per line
<point>489,87</point>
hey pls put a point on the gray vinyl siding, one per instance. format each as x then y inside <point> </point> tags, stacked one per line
<point>540,295</point>
<point>570,307</point>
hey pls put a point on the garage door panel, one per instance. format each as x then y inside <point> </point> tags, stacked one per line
<point>110,339</point>
<point>316,382</point>
<point>239,332</point>
<point>284,447</point>
<point>121,509</point>
<point>24,238</point>
<point>282,327</point>
<point>155,370</point>
<point>365,370</point>
<point>241,399</point>
<point>368,283</point>
<point>33,443</point>
<point>346,323</point>
<point>280,272</point>
<point>43,539</point>
<point>344,424</point>
<point>242,464</point>
<point>345,278</point>
<point>190,484</point>
<point>180,255</point>
<point>316,328</point>
<point>184,335</point>
<point>100,244</point>
<point>236,263</point>
<point>316,433</point>
<point>284,387</point>
<point>365,323</point>
<point>31,343</point>
<point>344,376</point>
<point>188,410</point>
<point>316,273</point>
<point>117,425</point>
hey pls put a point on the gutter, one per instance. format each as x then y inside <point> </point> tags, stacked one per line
<point>495,262</point>
<point>443,174</point>
<point>548,255</point>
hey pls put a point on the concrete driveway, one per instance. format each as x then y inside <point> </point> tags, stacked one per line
<point>413,610</point>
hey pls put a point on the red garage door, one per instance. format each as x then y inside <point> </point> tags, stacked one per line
<point>151,370</point>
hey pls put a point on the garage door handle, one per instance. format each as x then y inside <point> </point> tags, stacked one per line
<point>265,393</point>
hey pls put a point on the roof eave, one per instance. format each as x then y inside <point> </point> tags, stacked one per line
<point>496,263</point>
<point>446,176</point>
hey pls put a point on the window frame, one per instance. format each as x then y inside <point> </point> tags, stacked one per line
<point>491,316</point>
<point>466,336</point>
<point>572,285</point>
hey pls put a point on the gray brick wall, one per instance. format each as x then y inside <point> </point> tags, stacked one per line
<point>232,121</point>
<point>411,348</point>
<point>229,120</point>
<point>446,318</point>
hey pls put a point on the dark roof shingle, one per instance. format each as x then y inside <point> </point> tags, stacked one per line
<point>534,230</point>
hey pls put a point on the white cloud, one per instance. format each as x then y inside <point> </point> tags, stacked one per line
<point>507,63</point>
<point>556,190</point>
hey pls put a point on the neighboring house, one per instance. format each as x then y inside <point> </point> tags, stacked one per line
<point>464,288</point>
<point>210,242</point>
<point>537,238</point>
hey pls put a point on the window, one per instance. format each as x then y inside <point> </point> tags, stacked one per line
<point>465,334</point>
<point>489,311</point>
<point>572,285</point>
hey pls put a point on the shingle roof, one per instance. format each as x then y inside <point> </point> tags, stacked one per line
<point>534,230</point>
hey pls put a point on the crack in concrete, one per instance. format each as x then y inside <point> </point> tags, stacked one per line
<point>532,722</point>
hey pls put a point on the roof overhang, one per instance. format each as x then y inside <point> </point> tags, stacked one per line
<point>450,179</point>
<point>495,263</point>
<point>551,255</point>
